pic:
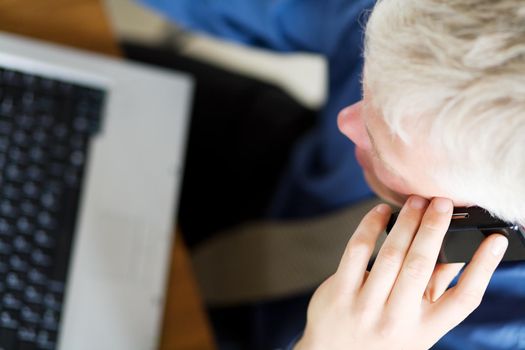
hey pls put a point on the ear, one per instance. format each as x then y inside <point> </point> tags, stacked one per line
<point>351,123</point>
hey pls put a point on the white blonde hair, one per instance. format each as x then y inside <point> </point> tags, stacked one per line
<point>455,70</point>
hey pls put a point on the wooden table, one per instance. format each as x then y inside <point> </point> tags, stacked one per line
<point>83,24</point>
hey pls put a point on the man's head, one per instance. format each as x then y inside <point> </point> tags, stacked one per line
<point>443,112</point>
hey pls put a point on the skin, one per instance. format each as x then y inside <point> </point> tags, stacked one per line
<point>405,293</point>
<point>393,169</point>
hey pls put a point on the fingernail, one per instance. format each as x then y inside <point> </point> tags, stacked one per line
<point>417,202</point>
<point>441,205</point>
<point>383,208</point>
<point>499,244</point>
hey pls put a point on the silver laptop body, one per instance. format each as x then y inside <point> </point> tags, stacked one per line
<point>116,286</point>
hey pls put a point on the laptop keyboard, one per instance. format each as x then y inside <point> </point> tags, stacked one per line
<point>45,127</point>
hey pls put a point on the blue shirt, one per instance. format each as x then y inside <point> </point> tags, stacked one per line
<point>323,174</point>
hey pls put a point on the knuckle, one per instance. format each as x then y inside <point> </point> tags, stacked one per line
<point>359,243</point>
<point>388,327</point>
<point>390,257</point>
<point>359,247</point>
<point>433,226</point>
<point>416,266</point>
<point>328,292</point>
<point>361,309</point>
<point>365,313</point>
<point>326,286</point>
<point>372,222</point>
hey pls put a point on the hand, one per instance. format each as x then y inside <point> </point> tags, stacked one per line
<point>403,303</point>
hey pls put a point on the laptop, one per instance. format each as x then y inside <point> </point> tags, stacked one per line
<point>91,157</point>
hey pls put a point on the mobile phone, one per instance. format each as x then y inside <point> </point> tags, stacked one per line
<point>468,227</point>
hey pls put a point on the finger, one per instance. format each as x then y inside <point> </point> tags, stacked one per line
<point>421,258</point>
<point>391,255</point>
<point>352,267</point>
<point>459,301</point>
<point>441,277</point>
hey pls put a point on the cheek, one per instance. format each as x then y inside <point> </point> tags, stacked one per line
<point>385,177</point>
<point>394,183</point>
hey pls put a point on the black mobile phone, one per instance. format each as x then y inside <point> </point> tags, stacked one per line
<point>468,227</point>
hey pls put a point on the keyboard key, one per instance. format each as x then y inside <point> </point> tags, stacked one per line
<point>27,334</point>
<point>28,208</point>
<point>45,127</point>
<point>47,85</point>
<point>18,263</point>
<point>45,104</point>
<point>44,340</point>
<point>46,120</point>
<point>12,192</point>
<point>7,320</point>
<point>6,229</point>
<point>46,220</point>
<point>36,277</point>
<point>28,99</point>
<point>43,239</point>
<point>33,294</point>
<point>7,105</point>
<point>60,131</point>
<point>14,281</point>
<point>51,301</point>
<point>35,173</point>
<point>50,320</point>
<point>7,209</point>
<point>21,138</point>
<point>66,88</point>
<point>25,121</point>
<point>14,173</point>
<point>16,155</point>
<point>31,190</point>
<point>11,302</point>
<point>40,136</point>
<point>29,81</point>
<point>24,226</point>
<point>81,124</point>
<point>22,245</point>
<point>72,177</point>
<point>40,258</point>
<point>49,200</point>
<point>28,315</point>
<point>11,77</point>
<point>37,155</point>
<point>77,158</point>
